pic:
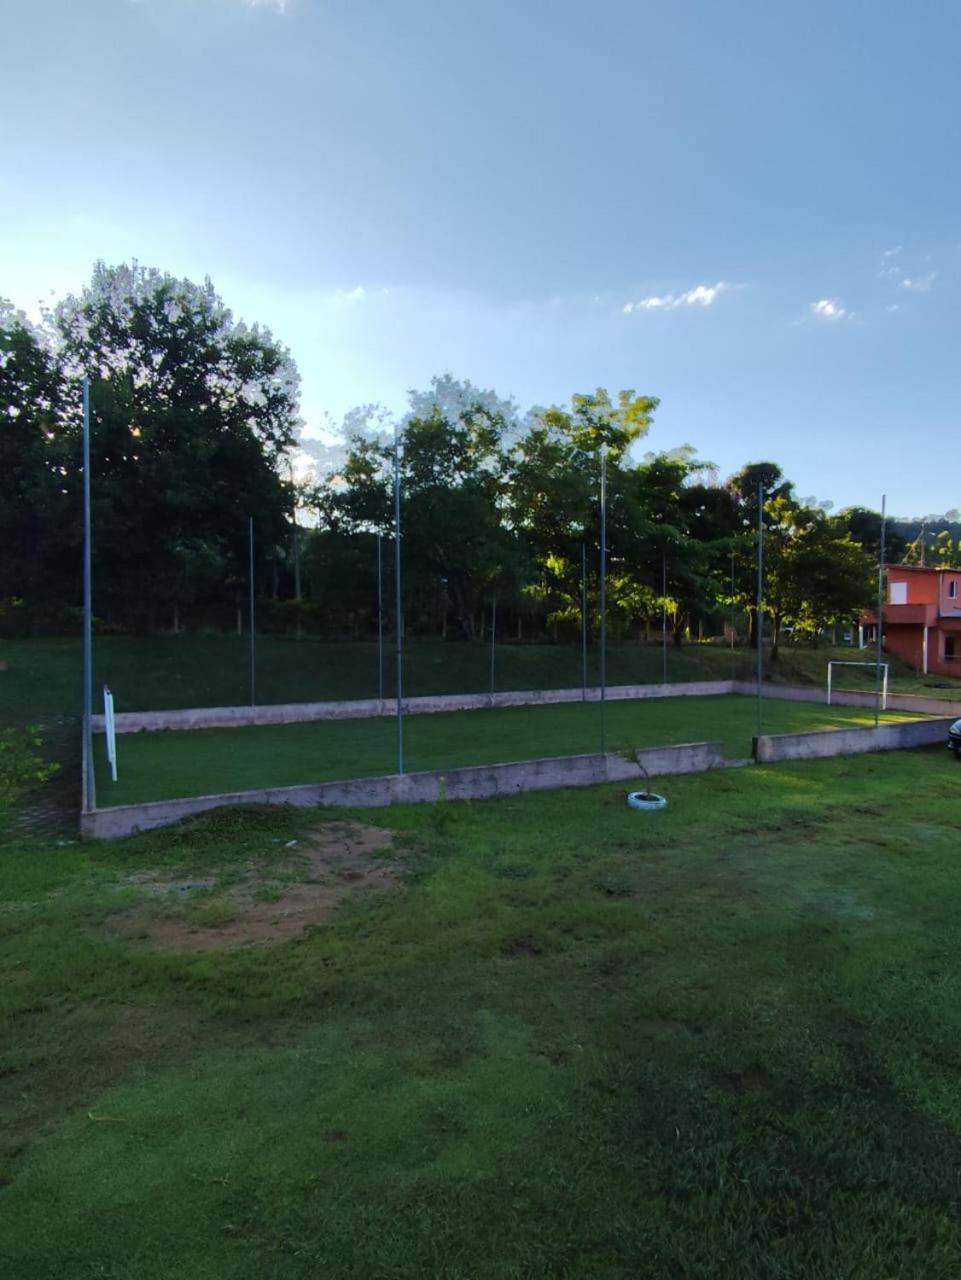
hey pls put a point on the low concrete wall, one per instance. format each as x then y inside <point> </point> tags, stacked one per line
<point>846,742</point>
<point>476,782</point>
<point>299,712</point>
<point>850,698</point>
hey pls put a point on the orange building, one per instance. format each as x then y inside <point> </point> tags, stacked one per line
<point>922,618</point>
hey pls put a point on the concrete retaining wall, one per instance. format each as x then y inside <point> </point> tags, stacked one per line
<point>473,783</point>
<point>850,698</point>
<point>299,712</point>
<point>358,709</point>
<point>845,742</point>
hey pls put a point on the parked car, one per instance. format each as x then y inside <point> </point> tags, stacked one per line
<point>954,739</point>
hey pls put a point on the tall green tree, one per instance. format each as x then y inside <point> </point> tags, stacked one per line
<point>192,415</point>
<point>36,560</point>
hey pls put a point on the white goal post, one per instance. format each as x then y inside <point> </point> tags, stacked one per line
<point>874,667</point>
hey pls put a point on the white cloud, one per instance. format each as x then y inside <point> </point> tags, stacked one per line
<point>917,284</point>
<point>829,309</point>
<point>351,295</point>
<point>702,295</point>
<point>278,6</point>
<point>891,269</point>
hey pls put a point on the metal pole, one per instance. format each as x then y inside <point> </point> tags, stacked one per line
<point>664,617</point>
<point>760,602</point>
<point>90,792</point>
<point>877,671</point>
<point>397,607</point>
<point>253,639</point>
<point>583,622</point>
<point>493,634</point>
<point>380,621</point>
<point>733,659</point>
<point>603,597</point>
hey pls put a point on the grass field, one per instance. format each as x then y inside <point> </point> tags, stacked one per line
<point>167,765</point>
<point>720,1041</point>
<point>42,680</point>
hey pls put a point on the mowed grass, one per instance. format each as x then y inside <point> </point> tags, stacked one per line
<point>42,679</point>
<point>717,1041</point>
<point>168,764</point>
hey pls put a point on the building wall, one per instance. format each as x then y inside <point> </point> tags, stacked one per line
<point>948,603</point>
<point>905,642</point>
<point>922,584</point>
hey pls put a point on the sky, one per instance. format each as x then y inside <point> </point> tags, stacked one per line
<point>750,209</point>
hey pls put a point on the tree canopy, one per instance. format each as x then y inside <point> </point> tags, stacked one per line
<point>194,425</point>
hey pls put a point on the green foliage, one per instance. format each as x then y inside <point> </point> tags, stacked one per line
<point>192,415</point>
<point>21,765</point>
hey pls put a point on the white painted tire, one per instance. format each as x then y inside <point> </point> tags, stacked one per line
<point>646,800</point>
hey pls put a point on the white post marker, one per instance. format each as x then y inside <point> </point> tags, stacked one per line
<point>873,666</point>
<point>110,731</point>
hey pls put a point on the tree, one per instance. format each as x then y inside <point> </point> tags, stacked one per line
<point>457,547</point>
<point>192,414</point>
<point>864,526</point>
<point>35,561</point>
<point>814,576</point>
<point>553,485</point>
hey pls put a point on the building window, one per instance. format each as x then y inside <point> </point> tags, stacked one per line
<point>949,646</point>
<point>953,589</point>
<point>899,593</point>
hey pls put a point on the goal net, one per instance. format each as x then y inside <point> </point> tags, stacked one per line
<point>874,667</point>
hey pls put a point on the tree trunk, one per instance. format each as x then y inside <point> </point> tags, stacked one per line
<point>776,637</point>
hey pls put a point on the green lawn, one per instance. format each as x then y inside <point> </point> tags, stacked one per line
<point>42,680</point>
<point>719,1041</point>
<point>166,765</point>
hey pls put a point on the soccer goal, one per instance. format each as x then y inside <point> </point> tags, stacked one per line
<point>873,666</point>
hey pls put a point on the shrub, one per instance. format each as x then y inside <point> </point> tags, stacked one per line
<point>21,764</point>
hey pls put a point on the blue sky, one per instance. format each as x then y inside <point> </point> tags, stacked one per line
<point>749,209</point>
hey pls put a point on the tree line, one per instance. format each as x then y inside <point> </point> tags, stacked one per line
<point>195,431</point>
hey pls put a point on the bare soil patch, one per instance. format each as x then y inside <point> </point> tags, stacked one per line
<point>334,862</point>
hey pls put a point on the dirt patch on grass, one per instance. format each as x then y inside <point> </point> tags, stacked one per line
<point>334,862</point>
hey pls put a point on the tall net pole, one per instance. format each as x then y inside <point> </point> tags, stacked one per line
<point>397,604</point>
<point>877,667</point>
<point>603,597</point>
<point>760,602</point>
<point>89,790</point>
<point>583,622</point>
<point>380,621</point>
<point>253,627</point>
<point>664,617</point>
<point>733,658</point>
<point>493,639</point>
